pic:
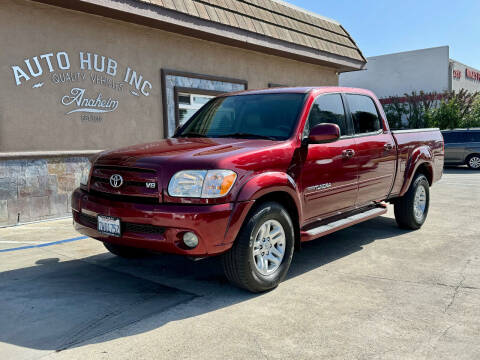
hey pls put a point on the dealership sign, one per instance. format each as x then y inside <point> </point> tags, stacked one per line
<point>472,74</point>
<point>80,72</point>
<point>84,104</point>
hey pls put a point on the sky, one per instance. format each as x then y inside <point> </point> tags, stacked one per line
<point>386,26</point>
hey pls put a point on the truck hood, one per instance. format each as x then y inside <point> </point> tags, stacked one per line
<point>188,153</point>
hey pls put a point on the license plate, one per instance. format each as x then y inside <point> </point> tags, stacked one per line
<point>108,225</point>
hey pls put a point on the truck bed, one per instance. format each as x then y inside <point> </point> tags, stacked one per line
<point>425,142</point>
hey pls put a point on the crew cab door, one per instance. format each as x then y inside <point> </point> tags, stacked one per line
<point>329,173</point>
<point>375,154</point>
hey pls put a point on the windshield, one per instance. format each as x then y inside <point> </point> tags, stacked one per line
<point>262,116</point>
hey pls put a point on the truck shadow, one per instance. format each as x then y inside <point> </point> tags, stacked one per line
<point>63,304</point>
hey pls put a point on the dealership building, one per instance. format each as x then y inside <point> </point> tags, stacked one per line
<point>428,70</point>
<point>79,76</point>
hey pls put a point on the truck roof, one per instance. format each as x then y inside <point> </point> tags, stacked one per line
<point>301,90</point>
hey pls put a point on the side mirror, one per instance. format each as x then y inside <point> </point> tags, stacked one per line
<point>324,133</point>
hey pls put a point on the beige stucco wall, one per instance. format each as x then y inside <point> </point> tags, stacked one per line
<point>32,116</point>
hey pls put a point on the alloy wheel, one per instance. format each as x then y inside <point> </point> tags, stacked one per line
<point>420,203</point>
<point>269,247</point>
<point>474,162</point>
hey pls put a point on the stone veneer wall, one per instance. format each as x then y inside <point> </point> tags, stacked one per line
<point>37,189</point>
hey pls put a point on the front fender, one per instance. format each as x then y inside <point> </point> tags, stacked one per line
<point>269,182</point>
<point>420,156</point>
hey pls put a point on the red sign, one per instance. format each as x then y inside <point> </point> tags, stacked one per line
<point>472,74</point>
<point>457,74</point>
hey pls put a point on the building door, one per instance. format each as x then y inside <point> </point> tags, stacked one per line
<point>375,152</point>
<point>329,176</point>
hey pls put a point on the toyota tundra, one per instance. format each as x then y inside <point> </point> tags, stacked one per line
<point>254,174</point>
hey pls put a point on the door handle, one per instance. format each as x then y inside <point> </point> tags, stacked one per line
<point>348,153</point>
<point>388,147</point>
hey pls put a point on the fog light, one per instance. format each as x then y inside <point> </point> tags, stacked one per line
<point>190,239</point>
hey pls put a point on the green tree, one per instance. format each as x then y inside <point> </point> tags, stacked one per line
<point>472,119</point>
<point>456,110</point>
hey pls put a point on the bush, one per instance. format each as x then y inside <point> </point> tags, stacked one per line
<point>447,111</point>
<point>473,118</point>
<point>445,116</point>
<point>456,110</point>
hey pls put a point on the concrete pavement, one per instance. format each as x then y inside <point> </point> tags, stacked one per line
<point>372,291</point>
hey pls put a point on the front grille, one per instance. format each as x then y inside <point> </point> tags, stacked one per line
<point>142,228</point>
<point>134,187</point>
<point>87,220</point>
<point>126,198</point>
<point>127,227</point>
<point>126,182</point>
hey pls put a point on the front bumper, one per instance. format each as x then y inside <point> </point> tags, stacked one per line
<point>160,227</point>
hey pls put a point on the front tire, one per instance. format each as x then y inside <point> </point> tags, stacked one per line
<point>262,253</point>
<point>473,161</point>
<point>411,209</point>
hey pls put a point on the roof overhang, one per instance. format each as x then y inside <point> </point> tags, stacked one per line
<point>172,21</point>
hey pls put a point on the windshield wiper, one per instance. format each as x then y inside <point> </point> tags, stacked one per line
<point>247,136</point>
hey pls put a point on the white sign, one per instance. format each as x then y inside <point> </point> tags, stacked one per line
<point>85,104</point>
<point>81,72</point>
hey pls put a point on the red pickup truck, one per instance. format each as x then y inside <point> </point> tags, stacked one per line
<point>254,174</point>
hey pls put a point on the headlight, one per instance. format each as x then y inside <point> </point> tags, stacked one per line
<point>86,174</point>
<point>218,183</point>
<point>201,183</point>
<point>187,183</point>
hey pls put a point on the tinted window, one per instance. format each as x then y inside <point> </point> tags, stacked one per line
<point>271,116</point>
<point>447,137</point>
<point>328,109</point>
<point>455,137</point>
<point>364,114</point>
<point>475,136</point>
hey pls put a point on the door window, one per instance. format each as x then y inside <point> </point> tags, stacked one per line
<point>328,109</point>
<point>364,114</point>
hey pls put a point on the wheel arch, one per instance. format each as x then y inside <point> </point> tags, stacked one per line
<point>286,200</point>
<point>470,155</point>
<point>277,187</point>
<point>425,169</point>
<point>421,161</point>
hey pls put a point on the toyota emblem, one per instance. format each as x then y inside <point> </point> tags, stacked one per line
<point>116,180</point>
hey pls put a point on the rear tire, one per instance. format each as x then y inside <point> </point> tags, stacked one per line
<point>412,208</point>
<point>262,253</point>
<point>473,161</point>
<point>126,252</point>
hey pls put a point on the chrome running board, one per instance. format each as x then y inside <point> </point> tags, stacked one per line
<point>329,228</point>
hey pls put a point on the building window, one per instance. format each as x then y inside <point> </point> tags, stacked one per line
<point>188,101</point>
<point>183,93</point>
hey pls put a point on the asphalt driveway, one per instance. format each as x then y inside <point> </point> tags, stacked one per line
<point>370,291</point>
